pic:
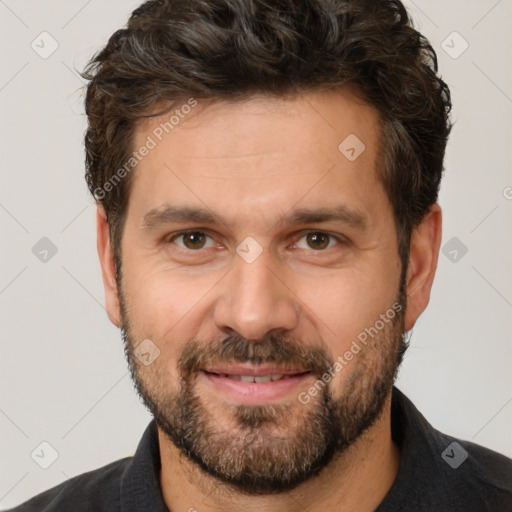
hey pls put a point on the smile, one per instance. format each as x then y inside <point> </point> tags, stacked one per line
<point>255,387</point>
<point>256,378</point>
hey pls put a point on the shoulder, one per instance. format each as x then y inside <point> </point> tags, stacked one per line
<point>95,490</point>
<point>441,472</point>
<point>477,474</point>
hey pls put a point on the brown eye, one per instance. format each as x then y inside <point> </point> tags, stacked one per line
<point>191,240</point>
<point>318,240</point>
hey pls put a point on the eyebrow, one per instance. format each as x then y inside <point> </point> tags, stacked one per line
<point>169,214</point>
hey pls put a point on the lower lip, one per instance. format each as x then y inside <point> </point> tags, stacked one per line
<point>254,393</point>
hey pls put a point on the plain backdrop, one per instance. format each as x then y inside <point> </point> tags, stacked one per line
<point>64,380</point>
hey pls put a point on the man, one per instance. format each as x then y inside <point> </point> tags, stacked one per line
<point>266,175</point>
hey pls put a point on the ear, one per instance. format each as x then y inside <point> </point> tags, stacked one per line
<point>108,270</point>
<point>424,252</point>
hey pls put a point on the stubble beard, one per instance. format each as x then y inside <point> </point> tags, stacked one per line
<point>263,453</point>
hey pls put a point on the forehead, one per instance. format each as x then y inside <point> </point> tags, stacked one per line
<point>228,128</point>
<point>264,153</point>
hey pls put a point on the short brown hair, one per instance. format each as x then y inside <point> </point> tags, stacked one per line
<point>231,49</point>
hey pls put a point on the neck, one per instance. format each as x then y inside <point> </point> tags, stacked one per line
<point>357,480</point>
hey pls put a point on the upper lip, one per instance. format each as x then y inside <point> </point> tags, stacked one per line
<point>254,370</point>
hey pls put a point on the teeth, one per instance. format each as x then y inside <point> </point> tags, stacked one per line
<point>252,378</point>
<point>263,378</point>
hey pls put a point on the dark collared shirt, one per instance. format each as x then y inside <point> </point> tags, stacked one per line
<point>437,473</point>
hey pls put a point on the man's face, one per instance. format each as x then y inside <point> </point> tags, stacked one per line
<point>257,292</point>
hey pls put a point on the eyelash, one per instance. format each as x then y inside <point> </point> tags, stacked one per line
<point>341,240</point>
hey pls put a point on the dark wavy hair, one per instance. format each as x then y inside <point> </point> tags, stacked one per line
<point>232,49</point>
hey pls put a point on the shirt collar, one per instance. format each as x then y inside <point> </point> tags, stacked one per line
<point>140,483</point>
<point>420,447</point>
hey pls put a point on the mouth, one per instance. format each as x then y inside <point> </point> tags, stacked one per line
<point>260,378</point>
<point>255,384</point>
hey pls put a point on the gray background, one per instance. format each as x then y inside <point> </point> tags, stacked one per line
<point>63,374</point>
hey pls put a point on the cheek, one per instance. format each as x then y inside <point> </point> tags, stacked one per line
<point>345,303</point>
<point>155,312</point>
<point>169,307</point>
<point>160,301</point>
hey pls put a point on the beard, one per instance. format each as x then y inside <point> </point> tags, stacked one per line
<point>262,452</point>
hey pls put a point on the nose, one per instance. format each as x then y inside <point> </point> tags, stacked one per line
<point>255,299</point>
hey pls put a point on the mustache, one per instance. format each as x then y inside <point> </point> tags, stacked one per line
<point>280,350</point>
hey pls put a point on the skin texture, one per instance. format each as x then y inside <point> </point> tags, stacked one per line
<point>252,162</point>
